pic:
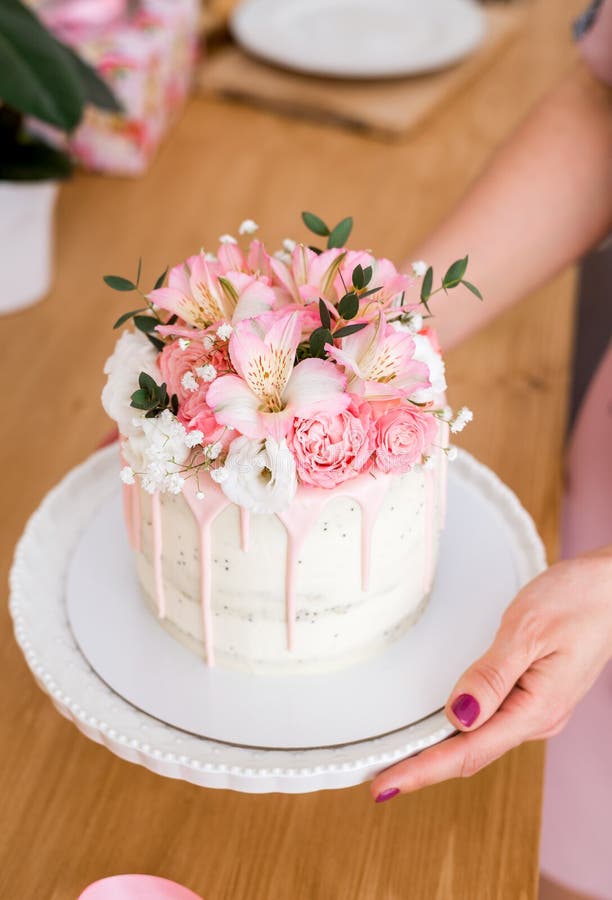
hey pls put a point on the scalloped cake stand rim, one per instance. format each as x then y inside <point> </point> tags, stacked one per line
<point>37,605</point>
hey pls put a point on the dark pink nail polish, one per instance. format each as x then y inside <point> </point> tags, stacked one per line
<point>387,795</point>
<point>466,709</point>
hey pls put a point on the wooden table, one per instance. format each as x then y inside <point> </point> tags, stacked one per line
<point>72,812</point>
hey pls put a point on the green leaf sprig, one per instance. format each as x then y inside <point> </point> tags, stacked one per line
<point>153,398</point>
<point>452,279</point>
<point>336,236</point>
<point>146,323</point>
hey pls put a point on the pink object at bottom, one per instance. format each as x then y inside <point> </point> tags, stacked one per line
<point>137,887</point>
<point>577,813</point>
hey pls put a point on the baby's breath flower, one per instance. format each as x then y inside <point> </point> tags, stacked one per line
<point>208,341</point>
<point>451,453</point>
<point>127,475</point>
<point>248,227</point>
<point>199,495</point>
<point>193,438</point>
<point>462,418</point>
<point>184,343</point>
<point>446,414</point>
<point>227,239</point>
<point>207,372</point>
<point>224,331</point>
<point>212,451</point>
<point>174,483</point>
<point>419,267</point>
<point>282,256</point>
<point>189,381</point>
<point>289,245</point>
<point>210,257</point>
<point>429,463</point>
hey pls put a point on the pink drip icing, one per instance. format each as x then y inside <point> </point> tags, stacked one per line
<point>245,529</point>
<point>160,594</point>
<point>428,477</point>
<point>131,510</point>
<point>136,518</point>
<point>205,512</point>
<point>367,491</point>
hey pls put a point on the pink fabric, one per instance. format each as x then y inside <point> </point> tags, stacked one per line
<point>577,813</point>
<point>137,887</point>
<point>596,45</point>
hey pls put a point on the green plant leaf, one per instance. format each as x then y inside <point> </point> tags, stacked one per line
<point>95,89</point>
<point>157,343</point>
<point>174,404</point>
<point>315,224</point>
<point>340,234</point>
<point>472,287</point>
<point>147,324</point>
<point>117,283</point>
<point>142,400</point>
<point>455,273</point>
<point>161,279</point>
<point>316,250</point>
<point>349,306</point>
<point>126,316</point>
<point>138,270</point>
<point>358,277</point>
<point>324,314</point>
<point>147,383</point>
<point>318,339</point>
<point>367,275</point>
<point>370,292</point>
<point>349,329</point>
<point>426,285</point>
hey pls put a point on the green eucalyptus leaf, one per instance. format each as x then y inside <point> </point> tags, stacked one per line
<point>358,277</point>
<point>157,343</point>
<point>174,403</point>
<point>138,270</point>
<point>117,283</point>
<point>455,273</point>
<point>147,324</point>
<point>316,250</point>
<point>472,287</point>
<point>349,306</point>
<point>367,275</point>
<point>324,314</point>
<point>315,224</point>
<point>142,400</point>
<point>370,292</point>
<point>126,316</point>
<point>147,383</point>
<point>153,413</point>
<point>24,159</point>
<point>161,279</point>
<point>340,233</point>
<point>318,339</point>
<point>426,285</point>
<point>349,329</point>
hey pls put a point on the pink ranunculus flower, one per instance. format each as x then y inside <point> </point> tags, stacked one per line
<point>196,415</point>
<point>403,434</point>
<point>330,449</point>
<point>175,362</point>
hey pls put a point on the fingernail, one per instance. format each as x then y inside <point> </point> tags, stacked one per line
<point>387,795</point>
<point>466,709</point>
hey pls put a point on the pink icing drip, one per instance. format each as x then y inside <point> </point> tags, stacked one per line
<point>245,529</point>
<point>367,491</point>
<point>428,478</point>
<point>131,510</point>
<point>445,434</point>
<point>160,594</point>
<point>205,512</point>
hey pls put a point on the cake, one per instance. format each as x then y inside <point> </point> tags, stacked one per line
<point>284,443</point>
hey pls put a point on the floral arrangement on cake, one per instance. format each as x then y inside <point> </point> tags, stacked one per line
<point>308,366</point>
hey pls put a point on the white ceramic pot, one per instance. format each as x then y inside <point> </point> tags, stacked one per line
<point>26,242</point>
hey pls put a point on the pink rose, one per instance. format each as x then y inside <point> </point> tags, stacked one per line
<point>330,449</point>
<point>174,362</point>
<point>403,434</point>
<point>196,415</point>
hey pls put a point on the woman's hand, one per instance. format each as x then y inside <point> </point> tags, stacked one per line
<point>554,640</point>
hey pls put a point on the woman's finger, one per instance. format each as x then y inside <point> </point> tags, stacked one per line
<point>463,754</point>
<point>485,685</point>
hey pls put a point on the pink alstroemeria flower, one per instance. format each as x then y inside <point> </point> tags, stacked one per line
<point>379,362</point>
<point>200,295</point>
<point>269,391</point>
<point>309,276</point>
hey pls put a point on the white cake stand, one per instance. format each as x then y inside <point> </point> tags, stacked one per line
<point>93,647</point>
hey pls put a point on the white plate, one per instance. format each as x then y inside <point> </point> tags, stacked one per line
<point>490,544</point>
<point>359,38</point>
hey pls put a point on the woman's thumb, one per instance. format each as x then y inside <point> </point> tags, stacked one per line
<point>485,685</point>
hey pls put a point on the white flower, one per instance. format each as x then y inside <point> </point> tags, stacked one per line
<point>207,372</point>
<point>282,256</point>
<point>210,257</point>
<point>189,382</point>
<point>193,438</point>
<point>132,355</point>
<point>462,418</point>
<point>446,414</point>
<point>429,463</point>
<point>127,475</point>
<point>199,495</point>
<point>451,453</point>
<point>288,245</point>
<point>158,450</point>
<point>425,352</point>
<point>419,267</point>
<point>248,227</point>
<point>227,239</point>
<point>208,341</point>
<point>410,321</point>
<point>258,475</point>
<point>184,343</point>
<point>224,331</point>
<point>212,451</point>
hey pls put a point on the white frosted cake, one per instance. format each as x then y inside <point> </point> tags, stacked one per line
<point>285,446</point>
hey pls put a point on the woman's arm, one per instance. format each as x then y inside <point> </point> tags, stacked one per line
<point>543,201</point>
